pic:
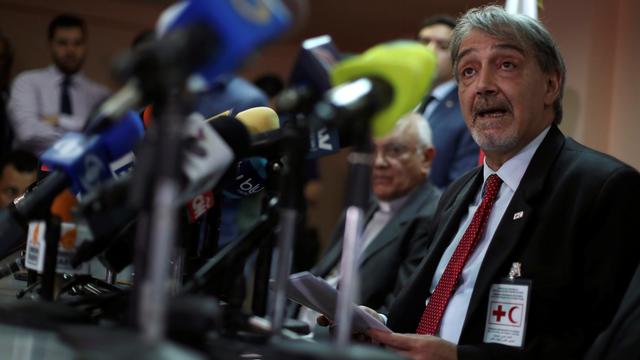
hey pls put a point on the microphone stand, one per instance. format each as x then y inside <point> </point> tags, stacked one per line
<point>51,236</point>
<point>162,71</point>
<point>160,232</point>
<point>293,145</point>
<point>264,256</point>
<point>233,254</point>
<point>353,105</point>
<point>358,189</point>
<point>158,189</point>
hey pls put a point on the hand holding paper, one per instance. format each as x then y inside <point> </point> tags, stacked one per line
<point>316,294</point>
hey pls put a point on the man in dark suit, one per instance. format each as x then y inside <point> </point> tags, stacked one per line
<point>403,207</point>
<point>533,251</point>
<point>457,152</point>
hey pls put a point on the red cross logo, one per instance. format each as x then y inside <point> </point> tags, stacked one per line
<point>498,313</point>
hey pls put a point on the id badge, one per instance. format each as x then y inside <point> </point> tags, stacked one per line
<point>507,312</point>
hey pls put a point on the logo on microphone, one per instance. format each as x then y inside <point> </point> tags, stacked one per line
<point>324,140</point>
<point>199,205</point>
<point>93,170</point>
<point>249,186</point>
<point>253,10</point>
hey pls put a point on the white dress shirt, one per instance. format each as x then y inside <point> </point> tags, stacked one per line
<point>438,94</point>
<point>511,172</point>
<point>36,94</point>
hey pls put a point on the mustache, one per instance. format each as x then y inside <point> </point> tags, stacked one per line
<point>486,104</point>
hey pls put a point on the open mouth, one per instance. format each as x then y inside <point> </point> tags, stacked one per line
<point>489,113</point>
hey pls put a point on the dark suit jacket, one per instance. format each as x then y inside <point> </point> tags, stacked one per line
<point>621,340</point>
<point>456,152</point>
<point>576,242</point>
<point>392,256</point>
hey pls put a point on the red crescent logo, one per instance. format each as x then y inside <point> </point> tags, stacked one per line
<point>511,314</point>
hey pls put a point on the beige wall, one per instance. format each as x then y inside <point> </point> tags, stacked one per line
<point>625,125</point>
<point>112,25</point>
<point>599,40</point>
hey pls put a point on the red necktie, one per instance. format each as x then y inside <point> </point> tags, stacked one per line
<point>430,320</point>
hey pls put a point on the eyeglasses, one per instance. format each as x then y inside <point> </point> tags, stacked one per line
<point>392,151</point>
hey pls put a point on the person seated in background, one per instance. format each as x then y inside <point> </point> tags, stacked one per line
<point>46,103</point>
<point>19,171</point>
<point>394,238</point>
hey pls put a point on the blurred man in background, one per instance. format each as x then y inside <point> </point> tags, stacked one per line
<point>46,103</point>
<point>457,152</point>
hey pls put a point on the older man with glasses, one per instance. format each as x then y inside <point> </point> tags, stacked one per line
<point>394,240</point>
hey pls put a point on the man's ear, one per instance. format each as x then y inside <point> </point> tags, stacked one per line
<point>552,90</point>
<point>428,153</point>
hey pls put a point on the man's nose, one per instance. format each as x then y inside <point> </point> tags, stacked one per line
<point>379,160</point>
<point>486,82</point>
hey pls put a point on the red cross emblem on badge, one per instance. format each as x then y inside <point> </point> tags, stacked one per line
<point>506,314</point>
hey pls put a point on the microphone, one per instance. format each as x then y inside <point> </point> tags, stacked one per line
<point>205,165</point>
<point>250,175</point>
<point>231,30</point>
<point>308,82</point>
<point>385,82</point>
<point>207,158</point>
<point>201,38</point>
<point>77,160</point>
<point>87,159</point>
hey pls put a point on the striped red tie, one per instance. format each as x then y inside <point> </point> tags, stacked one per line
<point>430,320</point>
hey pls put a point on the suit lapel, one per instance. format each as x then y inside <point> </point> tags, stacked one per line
<point>454,212</point>
<point>450,220</point>
<point>405,314</point>
<point>447,104</point>
<point>510,231</point>
<point>392,230</point>
<point>332,256</point>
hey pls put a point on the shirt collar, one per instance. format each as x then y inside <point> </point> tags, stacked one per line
<point>59,75</point>
<point>512,171</point>
<point>439,92</point>
<point>393,205</point>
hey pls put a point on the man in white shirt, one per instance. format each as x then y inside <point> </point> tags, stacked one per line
<point>46,103</point>
<point>457,152</point>
<point>531,253</point>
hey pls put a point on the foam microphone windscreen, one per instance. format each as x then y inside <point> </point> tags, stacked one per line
<point>259,119</point>
<point>407,66</point>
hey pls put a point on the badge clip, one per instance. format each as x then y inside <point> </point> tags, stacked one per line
<point>516,271</point>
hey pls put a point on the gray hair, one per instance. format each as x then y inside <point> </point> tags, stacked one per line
<point>420,125</point>
<point>523,30</point>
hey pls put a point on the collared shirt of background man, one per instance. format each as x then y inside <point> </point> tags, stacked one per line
<point>457,152</point>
